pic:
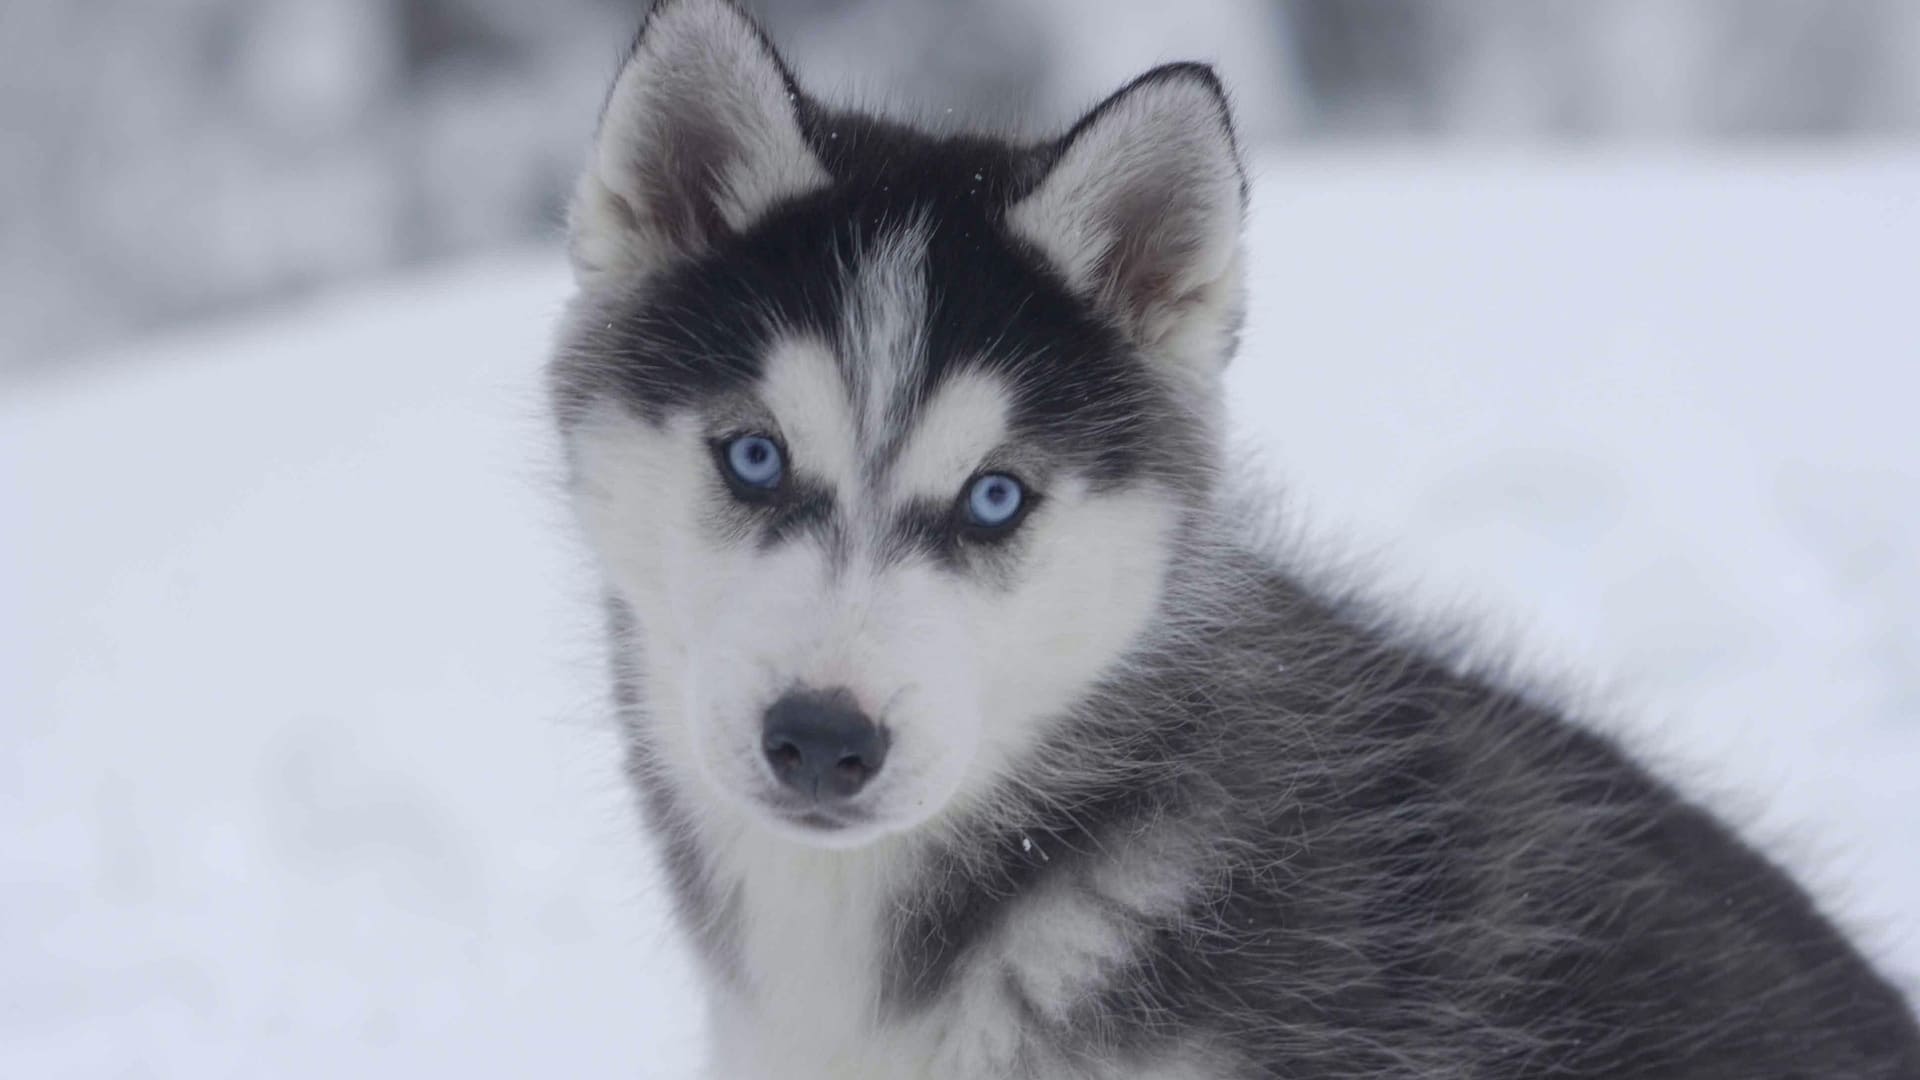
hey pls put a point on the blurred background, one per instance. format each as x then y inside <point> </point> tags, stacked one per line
<point>1593,319</point>
<point>169,159</point>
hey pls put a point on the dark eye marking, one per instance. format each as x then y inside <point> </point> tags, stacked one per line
<point>983,517</point>
<point>780,504</point>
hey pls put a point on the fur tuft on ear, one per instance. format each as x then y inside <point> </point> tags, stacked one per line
<point>700,136</point>
<point>1142,209</point>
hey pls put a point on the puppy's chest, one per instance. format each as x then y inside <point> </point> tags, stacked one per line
<point>811,953</point>
<point>807,1000</point>
<point>814,941</point>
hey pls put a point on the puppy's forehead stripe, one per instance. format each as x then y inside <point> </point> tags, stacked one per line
<point>869,431</point>
<point>859,413</point>
<point>883,346</point>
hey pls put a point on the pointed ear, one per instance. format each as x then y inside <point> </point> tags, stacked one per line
<point>700,136</point>
<point>1142,209</point>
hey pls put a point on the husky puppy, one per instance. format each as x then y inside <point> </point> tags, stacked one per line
<point>980,738</point>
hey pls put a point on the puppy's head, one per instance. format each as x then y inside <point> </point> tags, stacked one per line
<point>883,437</point>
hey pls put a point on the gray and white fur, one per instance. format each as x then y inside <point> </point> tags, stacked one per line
<point>1096,786</point>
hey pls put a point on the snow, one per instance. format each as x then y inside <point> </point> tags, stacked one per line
<point>306,769</point>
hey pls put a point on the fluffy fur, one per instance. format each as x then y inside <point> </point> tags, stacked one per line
<point>1154,807</point>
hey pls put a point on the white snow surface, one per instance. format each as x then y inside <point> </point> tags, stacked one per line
<point>305,762</point>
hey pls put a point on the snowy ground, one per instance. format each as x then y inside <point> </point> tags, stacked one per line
<point>303,766</point>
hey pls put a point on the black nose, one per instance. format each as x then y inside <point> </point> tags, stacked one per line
<point>821,745</point>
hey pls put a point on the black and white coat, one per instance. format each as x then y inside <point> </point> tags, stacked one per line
<point>1153,806</point>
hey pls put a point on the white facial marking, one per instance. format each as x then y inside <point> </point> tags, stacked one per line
<point>1089,575</point>
<point>964,672</point>
<point>803,389</point>
<point>965,421</point>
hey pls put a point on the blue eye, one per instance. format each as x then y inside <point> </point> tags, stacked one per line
<point>755,461</point>
<point>994,500</point>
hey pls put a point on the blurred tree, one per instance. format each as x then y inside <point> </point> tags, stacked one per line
<point>1719,69</point>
